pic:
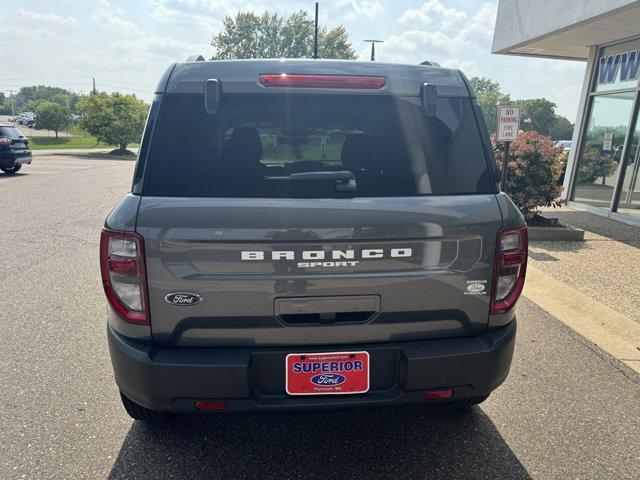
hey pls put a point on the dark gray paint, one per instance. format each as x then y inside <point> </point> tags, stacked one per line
<point>194,245</point>
<point>241,76</point>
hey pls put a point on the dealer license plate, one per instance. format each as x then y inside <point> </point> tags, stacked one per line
<point>331,373</point>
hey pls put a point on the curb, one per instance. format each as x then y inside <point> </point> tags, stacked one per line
<point>612,332</point>
<point>565,234</point>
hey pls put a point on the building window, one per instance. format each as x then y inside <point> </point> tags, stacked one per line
<point>600,159</point>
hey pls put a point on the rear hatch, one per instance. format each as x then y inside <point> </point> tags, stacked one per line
<point>12,140</point>
<point>299,219</point>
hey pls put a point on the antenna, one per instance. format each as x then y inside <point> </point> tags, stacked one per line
<point>373,48</point>
<point>315,35</point>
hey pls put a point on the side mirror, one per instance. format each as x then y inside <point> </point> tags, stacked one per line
<point>428,96</point>
<point>212,95</point>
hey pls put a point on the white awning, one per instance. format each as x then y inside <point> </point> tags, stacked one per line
<point>562,29</point>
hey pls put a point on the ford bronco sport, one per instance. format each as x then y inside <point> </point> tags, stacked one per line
<point>307,234</point>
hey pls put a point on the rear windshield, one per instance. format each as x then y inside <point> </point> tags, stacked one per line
<point>10,132</point>
<point>258,145</point>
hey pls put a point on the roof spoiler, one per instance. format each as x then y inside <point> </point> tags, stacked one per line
<point>428,96</point>
<point>212,95</point>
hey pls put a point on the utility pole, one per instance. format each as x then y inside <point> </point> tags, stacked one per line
<point>315,35</point>
<point>373,48</point>
<point>13,113</point>
<point>94,86</point>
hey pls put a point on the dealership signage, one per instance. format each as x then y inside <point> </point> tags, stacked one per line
<point>508,124</point>
<point>619,67</point>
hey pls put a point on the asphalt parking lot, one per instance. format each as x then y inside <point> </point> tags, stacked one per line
<point>566,411</point>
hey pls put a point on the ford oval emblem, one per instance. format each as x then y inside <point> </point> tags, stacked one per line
<point>328,379</point>
<point>183,298</point>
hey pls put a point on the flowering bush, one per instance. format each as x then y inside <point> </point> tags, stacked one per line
<point>533,171</point>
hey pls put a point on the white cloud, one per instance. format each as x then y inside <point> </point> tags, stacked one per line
<point>355,9</point>
<point>446,35</point>
<point>27,33</point>
<point>48,17</point>
<point>106,15</point>
<point>434,12</point>
<point>175,17</point>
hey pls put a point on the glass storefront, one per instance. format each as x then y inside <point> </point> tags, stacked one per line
<point>608,164</point>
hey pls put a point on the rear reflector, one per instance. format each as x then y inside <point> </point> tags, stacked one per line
<point>439,394</point>
<point>322,81</point>
<point>211,406</point>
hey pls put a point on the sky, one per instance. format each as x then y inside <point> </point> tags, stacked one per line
<point>126,45</point>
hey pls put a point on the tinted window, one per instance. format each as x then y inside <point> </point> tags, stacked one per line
<point>10,132</point>
<point>256,143</point>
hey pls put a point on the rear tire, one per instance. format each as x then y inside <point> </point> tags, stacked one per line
<point>138,412</point>
<point>12,169</point>
<point>470,402</point>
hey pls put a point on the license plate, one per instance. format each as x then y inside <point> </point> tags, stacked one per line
<point>333,373</point>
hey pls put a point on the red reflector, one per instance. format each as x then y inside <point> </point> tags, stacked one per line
<point>123,266</point>
<point>211,406</point>
<point>438,394</point>
<point>322,81</point>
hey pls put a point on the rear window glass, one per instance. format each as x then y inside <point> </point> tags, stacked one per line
<point>10,132</point>
<point>258,145</point>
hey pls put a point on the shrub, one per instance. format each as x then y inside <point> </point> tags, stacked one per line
<point>533,172</point>
<point>595,164</point>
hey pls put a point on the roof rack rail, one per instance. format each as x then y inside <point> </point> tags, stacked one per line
<point>430,63</point>
<point>195,58</point>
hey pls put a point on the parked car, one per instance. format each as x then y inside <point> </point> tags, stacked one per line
<point>564,144</point>
<point>14,149</point>
<point>334,237</point>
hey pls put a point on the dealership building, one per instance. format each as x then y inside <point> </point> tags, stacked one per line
<point>604,161</point>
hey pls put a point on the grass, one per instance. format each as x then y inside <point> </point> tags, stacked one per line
<point>46,143</point>
<point>105,156</point>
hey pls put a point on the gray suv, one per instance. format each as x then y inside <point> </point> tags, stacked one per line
<point>308,234</point>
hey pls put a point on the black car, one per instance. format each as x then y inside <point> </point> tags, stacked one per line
<point>14,149</point>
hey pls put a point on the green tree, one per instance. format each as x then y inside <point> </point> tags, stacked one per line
<point>114,119</point>
<point>484,85</point>
<point>269,35</point>
<point>541,112</point>
<point>562,128</point>
<point>490,98</point>
<point>52,116</point>
<point>5,105</point>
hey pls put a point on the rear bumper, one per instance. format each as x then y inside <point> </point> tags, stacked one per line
<point>252,379</point>
<point>8,158</point>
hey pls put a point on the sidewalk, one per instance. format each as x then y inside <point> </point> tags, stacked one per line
<point>592,286</point>
<point>605,266</point>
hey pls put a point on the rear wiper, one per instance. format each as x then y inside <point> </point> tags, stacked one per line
<point>345,180</point>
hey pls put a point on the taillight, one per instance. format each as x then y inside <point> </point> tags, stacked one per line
<point>509,269</point>
<point>322,81</point>
<point>5,141</point>
<point>124,275</point>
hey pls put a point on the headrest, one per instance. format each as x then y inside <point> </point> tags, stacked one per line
<point>245,144</point>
